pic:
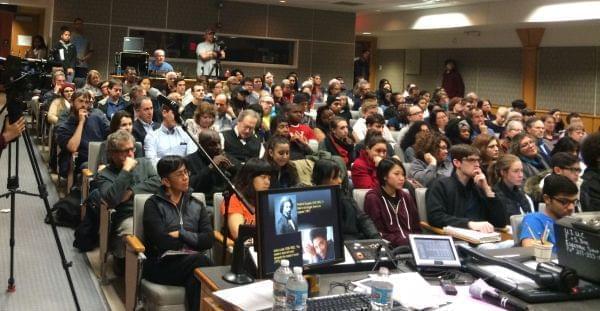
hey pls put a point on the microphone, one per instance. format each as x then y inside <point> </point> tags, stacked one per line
<point>173,106</point>
<point>482,291</point>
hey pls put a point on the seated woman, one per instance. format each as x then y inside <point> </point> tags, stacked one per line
<point>506,175</point>
<point>356,225</point>
<point>339,141</point>
<point>254,176</point>
<point>59,108</point>
<point>392,209</point>
<point>489,149</point>
<point>364,169</point>
<point>277,153</point>
<point>438,120</point>
<point>324,116</point>
<point>523,146</point>
<point>174,221</point>
<point>431,158</point>
<point>281,127</point>
<point>407,143</point>
<point>121,120</point>
<point>459,131</point>
<point>204,118</point>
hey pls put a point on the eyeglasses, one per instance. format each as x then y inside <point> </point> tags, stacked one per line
<point>472,160</point>
<point>565,202</point>
<point>415,113</point>
<point>572,169</point>
<point>132,149</point>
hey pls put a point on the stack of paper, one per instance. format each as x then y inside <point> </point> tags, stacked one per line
<point>252,297</point>
<point>472,236</point>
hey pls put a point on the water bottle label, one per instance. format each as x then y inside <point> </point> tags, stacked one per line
<point>279,289</point>
<point>296,298</point>
<point>381,295</point>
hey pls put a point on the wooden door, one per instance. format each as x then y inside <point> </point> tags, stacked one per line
<point>24,27</point>
<point>6,19</point>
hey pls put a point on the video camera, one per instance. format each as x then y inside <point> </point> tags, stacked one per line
<point>20,76</point>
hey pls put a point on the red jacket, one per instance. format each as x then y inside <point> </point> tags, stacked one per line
<point>394,228</point>
<point>364,172</point>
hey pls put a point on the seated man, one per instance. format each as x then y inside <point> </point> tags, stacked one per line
<point>300,133</point>
<point>174,221</point>
<point>376,124</point>
<point>144,123</point>
<point>562,163</point>
<point>560,196</point>
<point>82,126</point>
<point>168,139</point>
<point>159,66</point>
<point>203,176</point>
<point>465,199</point>
<point>114,102</point>
<point>319,248</point>
<point>119,182</point>
<point>241,142</point>
<point>225,114</point>
<point>359,130</point>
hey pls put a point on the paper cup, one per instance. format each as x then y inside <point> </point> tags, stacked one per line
<point>542,252</point>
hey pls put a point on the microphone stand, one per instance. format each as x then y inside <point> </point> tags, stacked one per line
<point>232,189</point>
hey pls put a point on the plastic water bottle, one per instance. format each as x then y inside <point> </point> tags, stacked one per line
<point>296,291</point>
<point>381,291</point>
<point>280,279</point>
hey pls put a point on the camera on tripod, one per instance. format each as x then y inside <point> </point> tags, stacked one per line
<point>20,76</point>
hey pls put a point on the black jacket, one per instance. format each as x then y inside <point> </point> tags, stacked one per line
<point>162,217</point>
<point>234,147</point>
<point>139,132</point>
<point>69,54</point>
<point>590,190</point>
<point>356,224</point>
<point>450,203</point>
<point>514,200</point>
<point>206,180</point>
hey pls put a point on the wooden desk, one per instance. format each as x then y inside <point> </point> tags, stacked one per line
<point>211,280</point>
<point>504,235</point>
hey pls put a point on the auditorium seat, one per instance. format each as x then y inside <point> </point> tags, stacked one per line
<point>154,296</point>
<point>421,204</point>
<point>515,223</point>
<point>359,197</point>
<point>355,114</point>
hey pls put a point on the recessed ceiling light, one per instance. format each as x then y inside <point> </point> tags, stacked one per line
<point>366,33</point>
<point>576,11</point>
<point>446,20</point>
<point>282,1</point>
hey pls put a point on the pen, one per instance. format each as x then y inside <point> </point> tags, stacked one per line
<point>531,232</point>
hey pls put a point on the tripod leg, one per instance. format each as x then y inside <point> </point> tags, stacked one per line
<point>44,196</point>
<point>10,185</point>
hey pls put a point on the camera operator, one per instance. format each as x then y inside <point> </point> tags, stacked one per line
<point>11,131</point>
<point>208,52</point>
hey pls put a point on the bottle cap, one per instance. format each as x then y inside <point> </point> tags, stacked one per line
<point>297,270</point>
<point>285,263</point>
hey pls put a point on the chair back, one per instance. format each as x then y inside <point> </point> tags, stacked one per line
<point>541,207</point>
<point>94,155</point>
<point>355,114</point>
<point>515,223</point>
<point>359,197</point>
<point>406,168</point>
<point>217,217</point>
<point>421,203</point>
<point>396,136</point>
<point>138,211</point>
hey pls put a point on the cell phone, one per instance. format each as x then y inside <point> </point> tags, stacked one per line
<point>448,287</point>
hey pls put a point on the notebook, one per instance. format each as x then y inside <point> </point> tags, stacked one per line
<point>472,236</point>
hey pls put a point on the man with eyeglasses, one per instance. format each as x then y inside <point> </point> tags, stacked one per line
<point>465,199</point>
<point>118,183</point>
<point>562,163</point>
<point>241,142</point>
<point>415,113</point>
<point>560,196</point>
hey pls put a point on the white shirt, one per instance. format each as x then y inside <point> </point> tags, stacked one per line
<point>360,130</point>
<point>163,142</point>
<point>203,68</point>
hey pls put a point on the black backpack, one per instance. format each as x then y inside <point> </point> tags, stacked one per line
<point>67,211</point>
<point>86,235</point>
